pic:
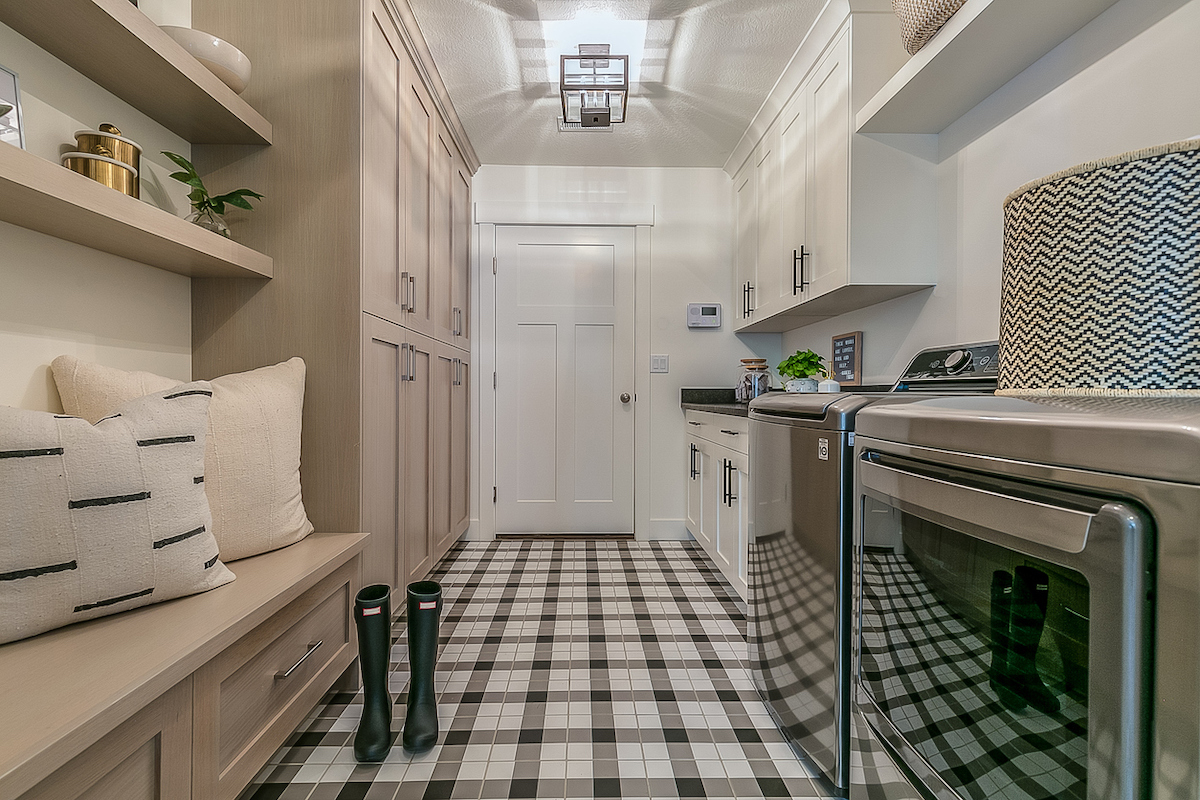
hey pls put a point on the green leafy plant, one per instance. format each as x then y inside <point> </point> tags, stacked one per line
<point>201,199</point>
<point>802,364</point>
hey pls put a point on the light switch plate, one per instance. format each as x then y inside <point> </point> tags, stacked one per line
<point>660,363</point>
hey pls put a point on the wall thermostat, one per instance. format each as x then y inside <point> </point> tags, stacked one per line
<point>704,315</point>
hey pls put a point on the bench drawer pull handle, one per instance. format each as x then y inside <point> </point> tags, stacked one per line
<point>312,648</point>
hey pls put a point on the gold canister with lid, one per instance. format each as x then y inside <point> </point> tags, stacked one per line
<point>108,157</point>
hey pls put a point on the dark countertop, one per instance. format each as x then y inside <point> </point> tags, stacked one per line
<point>732,409</point>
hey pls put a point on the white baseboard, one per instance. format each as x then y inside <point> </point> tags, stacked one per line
<point>665,530</point>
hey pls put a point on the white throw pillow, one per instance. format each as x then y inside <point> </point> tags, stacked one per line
<point>252,462</point>
<point>100,519</point>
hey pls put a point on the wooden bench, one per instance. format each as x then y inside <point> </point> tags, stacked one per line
<point>183,699</point>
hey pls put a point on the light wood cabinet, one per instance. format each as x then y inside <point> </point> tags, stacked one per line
<point>371,239</point>
<point>718,491</point>
<point>148,757</point>
<point>854,216</point>
<point>184,699</point>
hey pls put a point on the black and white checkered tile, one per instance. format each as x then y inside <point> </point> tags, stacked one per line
<point>567,670</point>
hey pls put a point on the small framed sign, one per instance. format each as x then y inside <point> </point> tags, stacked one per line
<point>10,109</point>
<point>846,362</point>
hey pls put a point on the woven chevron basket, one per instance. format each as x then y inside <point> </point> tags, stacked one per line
<point>921,19</point>
<point>1101,287</point>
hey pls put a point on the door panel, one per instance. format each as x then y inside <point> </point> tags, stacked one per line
<point>565,357</point>
<point>420,402</point>
<point>384,359</point>
<point>793,171</point>
<point>745,190</point>
<point>830,190</point>
<point>460,270</point>
<point>418,245</point>
<point>383,233</point>
<point>446,368</point>
<point>460,452</point>
<point>442,227</point>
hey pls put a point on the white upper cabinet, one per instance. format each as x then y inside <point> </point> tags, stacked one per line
<point>843,221</point>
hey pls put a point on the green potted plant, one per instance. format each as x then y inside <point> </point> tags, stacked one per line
<point>799,370</point>
<point>207,210</point>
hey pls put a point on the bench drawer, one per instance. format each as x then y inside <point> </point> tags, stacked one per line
<point>251,697</point>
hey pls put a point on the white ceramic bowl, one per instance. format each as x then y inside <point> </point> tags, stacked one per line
<point>222,59</point>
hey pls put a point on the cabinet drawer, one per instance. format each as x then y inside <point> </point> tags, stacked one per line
<point>251,697</point>
<point>724,429</point>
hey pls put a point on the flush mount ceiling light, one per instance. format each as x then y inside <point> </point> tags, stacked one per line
<point>594,86</point>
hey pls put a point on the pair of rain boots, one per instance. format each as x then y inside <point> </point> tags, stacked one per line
<point>1018,616</point>
<point>373,618</point>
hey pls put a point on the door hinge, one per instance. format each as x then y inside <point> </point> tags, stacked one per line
<point>493,380</point>
<point>493,494</point>
<point>493,265</point>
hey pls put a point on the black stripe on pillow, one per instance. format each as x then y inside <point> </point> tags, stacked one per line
<point>35,572</point>
<point>199,479</point>
<point>209,564</point>
<point>188,393</point>
<point>161,543</point>
<point>112,601</point>
<point>108,501</point>
<point>165,440</point>
<point>45,451</point>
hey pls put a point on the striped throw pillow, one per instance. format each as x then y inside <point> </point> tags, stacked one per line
<point>97,519</point>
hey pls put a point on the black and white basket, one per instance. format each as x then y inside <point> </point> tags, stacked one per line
<point>1101,286</point>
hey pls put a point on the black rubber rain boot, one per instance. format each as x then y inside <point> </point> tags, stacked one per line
<point>424,607</point>
<point>373,617</point>
<point>1031,594</point>
<point>999,674</point>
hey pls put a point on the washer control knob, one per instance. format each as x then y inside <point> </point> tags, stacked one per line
<point>958,361</point>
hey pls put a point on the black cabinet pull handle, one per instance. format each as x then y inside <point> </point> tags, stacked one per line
<point>693,461</point>
<point>749,294</point>
<point>798,282</point>
<point>731,433</point>
<point>730,471</point>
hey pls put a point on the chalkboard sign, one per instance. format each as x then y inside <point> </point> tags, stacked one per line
<point>847,359</point>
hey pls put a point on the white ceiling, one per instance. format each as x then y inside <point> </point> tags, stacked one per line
<point>706,67</point>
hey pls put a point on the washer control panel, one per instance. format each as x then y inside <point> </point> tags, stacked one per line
<point>961,363</point>
<point>704,315</point>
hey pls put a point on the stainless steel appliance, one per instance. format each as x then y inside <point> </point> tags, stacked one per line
<point>1028,583</point>
<point>800,558</point>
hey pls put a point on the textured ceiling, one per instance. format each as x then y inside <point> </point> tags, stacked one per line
<point>706,66</point>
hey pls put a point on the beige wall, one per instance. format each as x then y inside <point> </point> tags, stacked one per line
<point>57,297</point>
<point>1126,81</point>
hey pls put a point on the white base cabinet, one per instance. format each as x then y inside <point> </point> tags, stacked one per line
<point>829,221</point>
<point>718,491</point>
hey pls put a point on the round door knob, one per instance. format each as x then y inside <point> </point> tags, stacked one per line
<point>625,397</point>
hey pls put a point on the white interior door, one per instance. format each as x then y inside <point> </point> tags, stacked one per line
<point>564,356</point>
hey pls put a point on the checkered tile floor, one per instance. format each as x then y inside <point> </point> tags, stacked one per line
<point>567,670</point>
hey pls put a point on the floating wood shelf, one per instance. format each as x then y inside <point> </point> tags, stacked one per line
<point>45,197</point>
<point>983,46</point>
<point>118,47</point>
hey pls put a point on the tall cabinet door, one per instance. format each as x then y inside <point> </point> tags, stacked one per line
<point>383,187</point>
<point>460,269</point>
<point>420,404</point>
<point>793,190</point>
<point>828,93</point>
<point>460,449</point>
<point>445,375</point>
<point>746,210</point>
<point>442,231</point>
<point>768,272</point>
<point>385,367</point>
<point>419,140</point>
